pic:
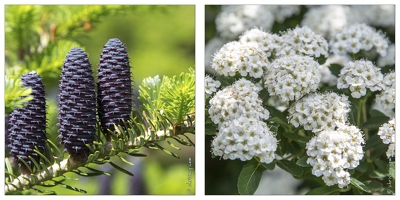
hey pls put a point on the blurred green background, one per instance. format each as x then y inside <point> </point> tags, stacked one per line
<point>160,40</point>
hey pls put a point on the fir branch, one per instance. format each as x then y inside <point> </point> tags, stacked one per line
<point>16,96</point>
<point>102,153</point>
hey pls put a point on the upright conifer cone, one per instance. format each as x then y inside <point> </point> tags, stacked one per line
<point>27,126</point>
<point>114,84</point>
<point>77,104</point>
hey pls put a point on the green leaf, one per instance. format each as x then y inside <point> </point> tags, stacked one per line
<point>377,174</point>
<point>335,69</point>
<point>9,169</point>
<point>269,166</point>
<point>96,154</point>
<point>376,113</point>
<point>381,165</point>
<point>373,184</point>
<point>277,116</point>
<point>70,187</point>
<point>136,154</point>
<point>55,147</point>
<point>392,167</point>
<point>375,122</point>
<point>274,129</point>
<point>324,190</point>
<point>172,145</point>
<point>358,184</point>
<point>120,169</point>
<point>46,192</point>
<point>290,167</point>
<point>302,162</point>
<point>249,178</point>
<point>42,156</point>
<point>353,114</point>
<point>87,174</point>
<point>362,167</point>
<point>26,164</point>
<point>125,161</point>
<point>372,142</point>
<point>45,168</point>
<point>166,151</point>
<point>210,129</point>
<point>98,171</point>
<point>190,141</point>
<point>302,141</point>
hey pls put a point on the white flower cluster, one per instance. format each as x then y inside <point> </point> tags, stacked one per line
<point>360,75</point>
<point>302,41</point>
<point>332,152</point>
<point>243,139</point>
<point>389,79</point>
<point>212,46</point>
<point>238,112</point>
<point>282,12</point>
<point>317,112</point>
<point>387,133</point>
<point>389,58</point>
<point>325,19</point>
<point>211,85</point>
<point>376,15</point>
<point>387,98</point>
<point>243,58</point>
<point>291,77</point>
<point>357,37</point>
<point>265,41</point>
<point>235,19</point>
<point>328,19</point>
<point>239,99</point>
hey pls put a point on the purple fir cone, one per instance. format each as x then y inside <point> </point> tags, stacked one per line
<point>77,104</point>
<point>114,85</point>
<point>27,126</point>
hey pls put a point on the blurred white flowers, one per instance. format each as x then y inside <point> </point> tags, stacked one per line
<point>211,85</point>
<point>387,97</point>
<point>357,37</point>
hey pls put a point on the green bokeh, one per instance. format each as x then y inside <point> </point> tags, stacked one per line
<point>160,42</point>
